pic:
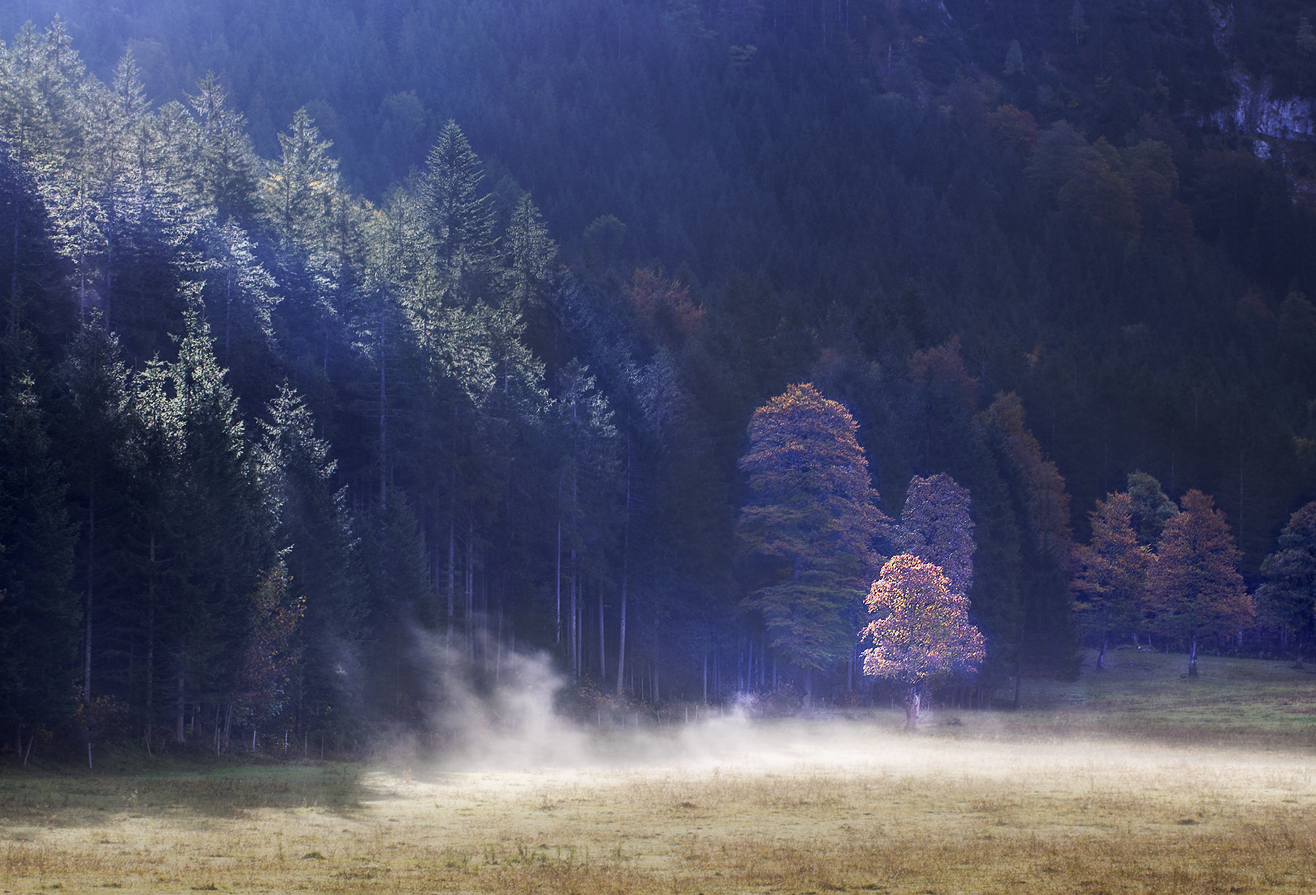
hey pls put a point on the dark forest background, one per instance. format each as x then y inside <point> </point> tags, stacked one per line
<point>343,334</point>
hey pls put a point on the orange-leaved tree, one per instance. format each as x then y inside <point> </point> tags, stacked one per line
<point>1194,587</point>
<point>1110,573</point>
<point>921,635</point>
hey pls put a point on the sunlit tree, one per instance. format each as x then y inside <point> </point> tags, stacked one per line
<point>921,635</point>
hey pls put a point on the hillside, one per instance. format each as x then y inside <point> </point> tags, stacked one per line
<point>467,347</point>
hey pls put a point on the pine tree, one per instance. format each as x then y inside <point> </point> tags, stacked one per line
<point>1149,507</point>
<point>460,217</point>
<point>529,257</point>
<point>38,609</point>
<point>1288,595</point>
<point>226,163</point>
<point>315,534</point>
<point>936,525</point>
<point>300,190</point>
<point>94,428</point>
<point>808,525</point>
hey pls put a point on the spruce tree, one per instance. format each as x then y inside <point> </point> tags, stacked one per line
<point>808,526</point>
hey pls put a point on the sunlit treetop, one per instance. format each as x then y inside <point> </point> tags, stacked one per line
<point>921,633</point>
<point>811,498</point>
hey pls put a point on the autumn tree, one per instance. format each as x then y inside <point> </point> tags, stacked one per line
<point>1111,572</point>
<point>1194,587</point>
<point>921,634</point>
<point>808,525</point>
<point>269,654</point>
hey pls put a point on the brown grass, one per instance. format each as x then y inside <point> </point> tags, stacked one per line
<point>989,806</point>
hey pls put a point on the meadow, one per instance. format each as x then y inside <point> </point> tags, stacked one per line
<point>1128,781</point>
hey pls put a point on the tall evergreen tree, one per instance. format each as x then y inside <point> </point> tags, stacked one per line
<point>808,526</point>
<point>38,608</point>
<point>936,525</point>
<point>460,217</point>
<point>1288,595</point>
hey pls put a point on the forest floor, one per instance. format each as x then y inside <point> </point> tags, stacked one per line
<point>1133,780</point>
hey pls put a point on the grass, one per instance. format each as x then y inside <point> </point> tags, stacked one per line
<point>1131,781</point>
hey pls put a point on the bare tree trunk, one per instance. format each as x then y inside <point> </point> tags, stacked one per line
<point>913,704</point>
<point>452,555</point>
<point>470,590</point>
<point>573,620</point>
<point>603,643</point>
<point>1018,684</point>
<point>1192,658</point>
<point>150,645</point>
<point>88,598</point>
<point>557,586</point>
<point>625,568</point>
<point>383,417</point>
<point>180,700</point>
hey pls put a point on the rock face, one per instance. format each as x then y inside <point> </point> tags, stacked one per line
<point>1257,112</point>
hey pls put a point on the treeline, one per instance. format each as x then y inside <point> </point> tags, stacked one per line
<point>272,447</point>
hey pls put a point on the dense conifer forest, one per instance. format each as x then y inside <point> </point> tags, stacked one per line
<point>345,343</point>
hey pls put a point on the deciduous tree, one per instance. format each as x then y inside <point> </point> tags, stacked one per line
<point>1194,587</point>
<point>1111,572</point>
<point>922,634</point>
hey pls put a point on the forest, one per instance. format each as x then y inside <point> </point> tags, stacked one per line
<point>347,344</point>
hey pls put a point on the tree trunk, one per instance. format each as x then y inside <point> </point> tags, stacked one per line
<point>557,585</point>
<point>452,555</point>
<point>625,566</point>
<point>383,411</point>
<point>180,702</point>
<point>150,645</point>
<point>912,704</point>
<point>1192,658</point>
<point>603,642</point>
<point>1018,684</point>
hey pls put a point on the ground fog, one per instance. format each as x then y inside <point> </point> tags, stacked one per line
<point>730,804</point>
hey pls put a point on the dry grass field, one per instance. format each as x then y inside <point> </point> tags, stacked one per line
<point>1128,782</point>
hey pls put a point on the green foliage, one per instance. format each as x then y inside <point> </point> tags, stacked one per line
<point>936,526</point>
<point>844,196</point>
<point>1288,595</point>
